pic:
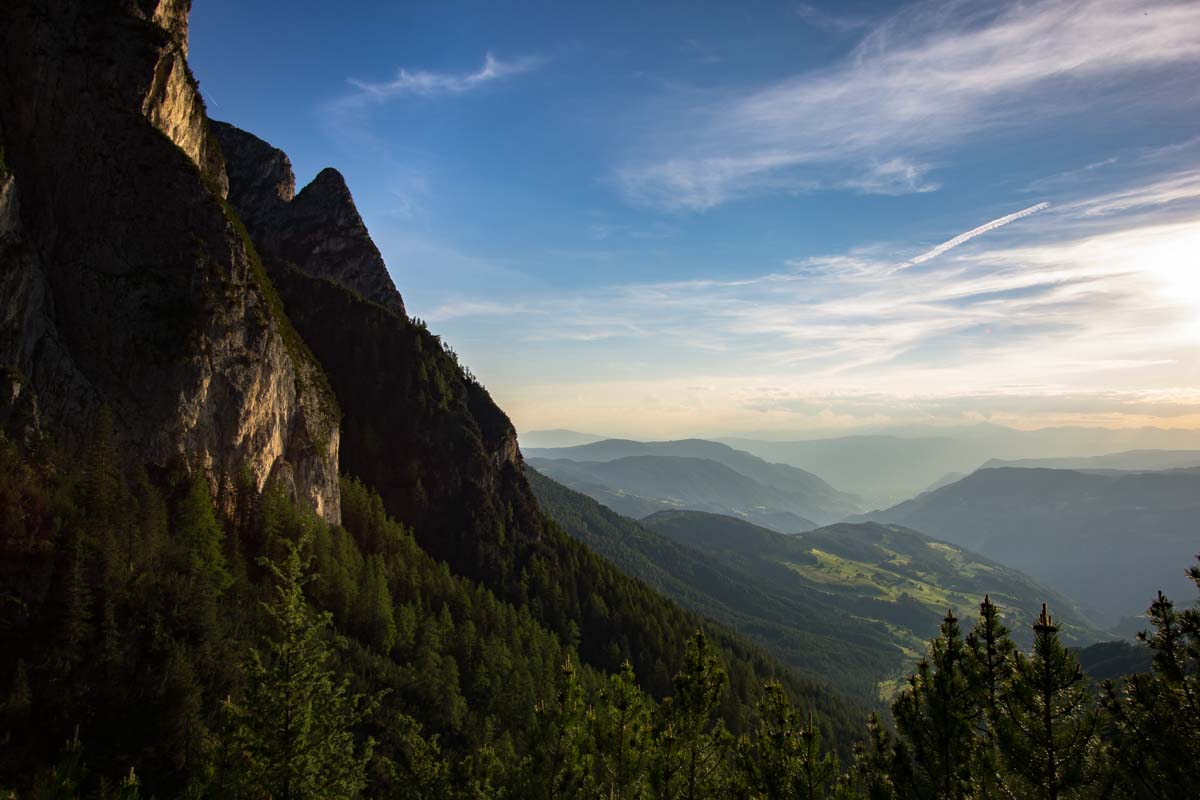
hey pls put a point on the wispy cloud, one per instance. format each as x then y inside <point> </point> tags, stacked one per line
<point>1076,318</point>
<point>926,79</point>
<point>834,22</point>
<point>432,84</point>
<point>963,238</point>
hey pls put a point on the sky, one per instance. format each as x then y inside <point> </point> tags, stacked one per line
<point>669,219</point>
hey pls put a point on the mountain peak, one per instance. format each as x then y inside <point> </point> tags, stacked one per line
<point>319,230</point>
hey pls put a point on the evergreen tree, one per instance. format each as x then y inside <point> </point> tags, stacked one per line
<point>990,657</point>
<point>620,731</point>
<point>787,761</point>
<point>1048,735</point>
<point>373,612</point>
<point>558,765</point>
<point>874,762</point>
<point>77,626</point>
<point>295,725</point>
<point>934,716</point>
<point>1156,716</point>
<point>198,536</point>
<point>692,744</point>
<point>420,772</point>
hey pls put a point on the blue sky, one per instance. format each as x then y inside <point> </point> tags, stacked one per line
<point>686,218</point>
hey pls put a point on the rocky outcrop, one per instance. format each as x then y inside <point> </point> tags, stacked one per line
<point>173,103</point>
<point>126,280</point>
<point>318,230</point>
<point>418,428</point>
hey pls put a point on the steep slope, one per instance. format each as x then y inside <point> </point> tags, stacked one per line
<point>898,576</point>
<point>641,485</point>
<point>425,435</point>
<point>1101,539</point>
<point>820,500</point>
<point>785,616</point>
<point>126,283</point>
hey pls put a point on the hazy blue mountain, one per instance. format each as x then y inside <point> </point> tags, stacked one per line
<point>1130,460</point>
<point>821,501</point>
<point>1108,540</point>
<point>641,485</point>
<point>887,468</point>
<point>945,480</point>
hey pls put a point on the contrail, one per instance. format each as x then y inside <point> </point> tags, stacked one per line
<point>971,234</point>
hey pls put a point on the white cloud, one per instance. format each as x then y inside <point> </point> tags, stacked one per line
<point>431,84</point>
<point>928,78</point>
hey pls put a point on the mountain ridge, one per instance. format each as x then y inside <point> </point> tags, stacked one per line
<point>1100,538</point>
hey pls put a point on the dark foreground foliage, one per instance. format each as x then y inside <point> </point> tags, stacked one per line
<point>153,647</point>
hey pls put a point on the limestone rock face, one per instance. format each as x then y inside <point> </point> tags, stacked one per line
<point>318,230</point>
<point>125,279</point>
<point>418,428</point>
<point>172,102</point>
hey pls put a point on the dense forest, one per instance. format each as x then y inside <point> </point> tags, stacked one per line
<point>154,645</point>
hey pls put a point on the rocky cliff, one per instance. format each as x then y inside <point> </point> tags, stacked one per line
<point>126,280</point>
<point>319,230</point>
<point>417,427</point>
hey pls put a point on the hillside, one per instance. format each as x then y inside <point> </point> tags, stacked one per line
<point>1100,539</point>
<point>898,576</point>
<point>847,600</point>
<point>787,617</point>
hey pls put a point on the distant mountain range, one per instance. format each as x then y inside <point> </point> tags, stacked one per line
<point>1130,460</point>
<point>885,469</point>
<point>1106,539</point>
<point>640,478</point>
<point>851,602</point>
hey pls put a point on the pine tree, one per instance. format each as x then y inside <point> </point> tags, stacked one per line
<point>874,759</point>
<point>1048,735</point>
<point>149,533</point>
<point>692,744</point>
<point>620,731</point>
<point>198,535</point>
<point>558,765</point>
<point>295,725</point>
<point>77,626</point>
<point>787,760</point>
<point>990,657</point>
<point>421,771</point>
<point>1156,716</point>
<point>373,606</point>
<point>934,716</point>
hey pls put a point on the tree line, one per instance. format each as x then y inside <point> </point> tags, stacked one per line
<point>153,646</point>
